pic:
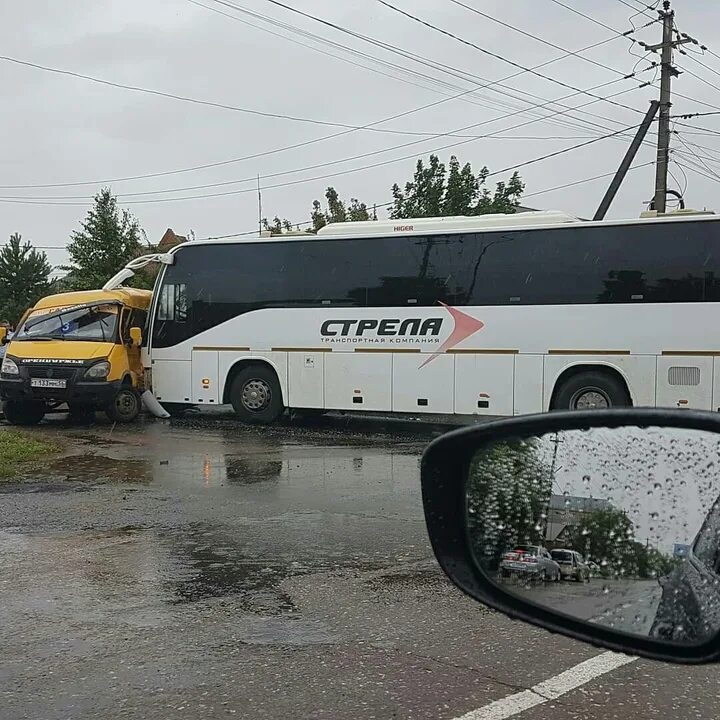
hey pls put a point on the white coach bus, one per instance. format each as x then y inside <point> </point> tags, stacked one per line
<point>497,315</point>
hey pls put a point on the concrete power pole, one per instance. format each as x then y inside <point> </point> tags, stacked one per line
<point>668,71</point>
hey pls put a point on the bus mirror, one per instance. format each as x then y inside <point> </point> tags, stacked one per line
<point>3,335</point>
<point>136,336</point>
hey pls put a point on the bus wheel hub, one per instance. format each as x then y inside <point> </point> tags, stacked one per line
<point>256,395</point>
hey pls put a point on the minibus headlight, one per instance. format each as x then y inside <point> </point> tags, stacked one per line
<point>9,367</point>
<point>98,371</point>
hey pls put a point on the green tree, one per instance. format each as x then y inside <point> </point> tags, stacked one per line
<point>337,211</point>
<point>357,211</point>
<point>433,191</point>
<point>607,536</point>
<point>277,226</point>
<point>24,277</point>
<point>107,240</point>
<point>508,495</point>
<point>423,195</point>
<point>461,190</point>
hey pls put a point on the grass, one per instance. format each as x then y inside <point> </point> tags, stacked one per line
<point>17,449</point>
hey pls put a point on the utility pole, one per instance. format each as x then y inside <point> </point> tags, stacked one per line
<point>627,161</point>
<point>668,71</point>
<point>260,225</point>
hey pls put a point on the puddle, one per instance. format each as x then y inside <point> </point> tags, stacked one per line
<point>212,567</point>
<point>281,631</point>
<point>247,471</point>
<point>98,468</point>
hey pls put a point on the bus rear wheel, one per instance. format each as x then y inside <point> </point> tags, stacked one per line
<point>591,390</point>
<point>256,396</point>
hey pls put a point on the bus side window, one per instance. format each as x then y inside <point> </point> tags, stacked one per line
<point>173,303</point>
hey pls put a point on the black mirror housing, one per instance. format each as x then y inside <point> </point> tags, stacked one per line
<point>444,472</point>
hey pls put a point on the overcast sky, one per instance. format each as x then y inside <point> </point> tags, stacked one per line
<point>59,129</point>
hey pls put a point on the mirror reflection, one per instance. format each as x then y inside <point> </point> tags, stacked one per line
<point>618,527</point>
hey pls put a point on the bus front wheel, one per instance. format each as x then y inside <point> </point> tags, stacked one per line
<point>256,396</point>
<point>589,390</point>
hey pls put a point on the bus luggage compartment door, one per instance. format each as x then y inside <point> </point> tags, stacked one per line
<point>484,383</point>
<point>358,381</point>
<point>684,381</point>
<point>205,377</point>
<point>423,383</point>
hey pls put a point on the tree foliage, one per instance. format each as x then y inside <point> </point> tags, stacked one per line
<point>338,211</point>
<point>508,493</point>
<point>24,277</point>
<point>607,536</point>
<point>107,240</point>
<point>277,226</point>
<point>437,191</point>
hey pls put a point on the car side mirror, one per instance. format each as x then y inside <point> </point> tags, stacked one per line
<point>636,492</point>
<point>3,335</point>
<point>136,336</point>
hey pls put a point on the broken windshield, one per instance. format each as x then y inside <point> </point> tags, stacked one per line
<point>96,323</point>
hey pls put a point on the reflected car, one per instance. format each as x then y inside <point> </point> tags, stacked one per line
<point>532,562</point>
<point>572,565</point>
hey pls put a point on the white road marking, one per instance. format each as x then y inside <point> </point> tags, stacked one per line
<point>551,689</point>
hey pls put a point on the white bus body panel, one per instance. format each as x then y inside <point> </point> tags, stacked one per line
<point>358,381</point>
<point>529,384</point>
<point>484,384</point>
<point>205,377</point>
<point>428,389</point>
<point>306,379</point>
<point>521,351</point>
<point>172,381</point>
<point>685,381</point>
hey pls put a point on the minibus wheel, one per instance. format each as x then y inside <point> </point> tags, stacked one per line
<point>125,407</point>
<point>24,412</point>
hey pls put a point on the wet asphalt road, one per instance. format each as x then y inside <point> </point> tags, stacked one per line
<point>202,569</point>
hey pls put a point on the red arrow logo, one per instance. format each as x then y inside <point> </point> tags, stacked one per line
<point>465,326</point>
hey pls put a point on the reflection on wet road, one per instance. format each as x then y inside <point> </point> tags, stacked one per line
<point>203,569</point>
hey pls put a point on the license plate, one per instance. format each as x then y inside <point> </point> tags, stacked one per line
<point>517,566</point>
<point>47,383</point>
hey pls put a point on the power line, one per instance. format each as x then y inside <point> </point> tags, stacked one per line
<point>582,182</point>
<point>226,162</point>
<point>537,38</point>
<point>635,9</point>
<point>265,153</point>
<point>342,173</point>
<point>591,19</point>
<point>369,154</point>
<point>697,157</point>
<point>416,58</point>
<point>698,77</point>
<point>698,171</point>
<point>234,108</point>
<point>483,50</point>
<point>464,75</point>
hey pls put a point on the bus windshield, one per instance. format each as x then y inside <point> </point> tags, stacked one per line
<point>97,323</point>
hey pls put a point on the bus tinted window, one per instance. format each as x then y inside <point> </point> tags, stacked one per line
<point>658,262</point>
